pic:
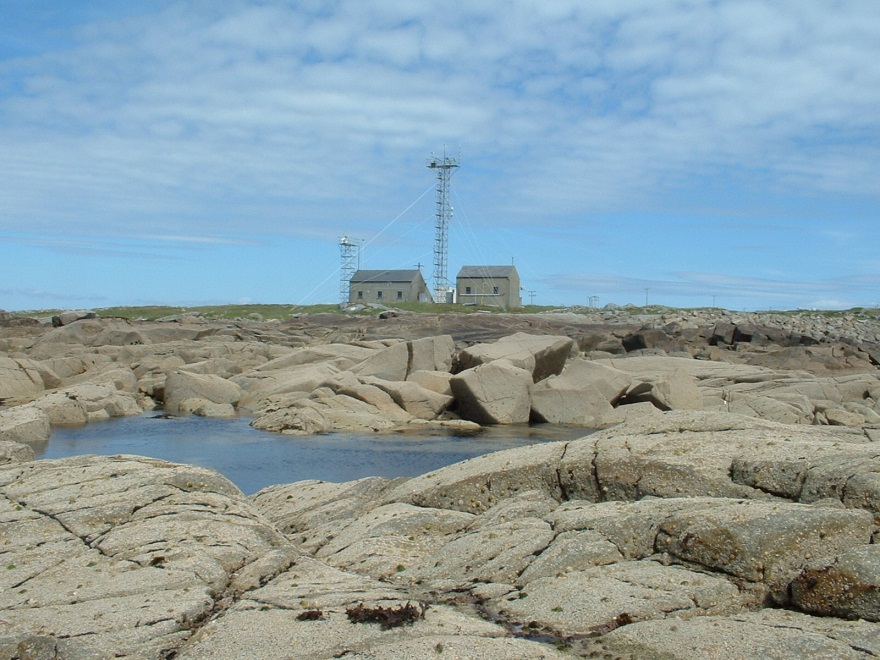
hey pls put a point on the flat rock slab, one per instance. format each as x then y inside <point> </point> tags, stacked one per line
<point>847,587</point>
<point>597,600</point>
<point>124,553</point>
<point>540,355</point>
<point>773,634</point>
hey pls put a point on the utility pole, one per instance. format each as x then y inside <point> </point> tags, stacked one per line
<point>445,167</point>
<point>646,296</point>
<point>531,297</point>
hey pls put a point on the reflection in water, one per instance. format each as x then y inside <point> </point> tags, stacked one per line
<point>254,459</point>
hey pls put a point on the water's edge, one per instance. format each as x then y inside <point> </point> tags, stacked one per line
<point>254,459</point>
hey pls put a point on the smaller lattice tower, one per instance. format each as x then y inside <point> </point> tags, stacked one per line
<point>445,167</point>
<point>349,251</point>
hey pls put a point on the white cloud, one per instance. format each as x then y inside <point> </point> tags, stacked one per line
<point>312,118</point>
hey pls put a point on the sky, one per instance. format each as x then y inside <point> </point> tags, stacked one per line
<point>687,153</point>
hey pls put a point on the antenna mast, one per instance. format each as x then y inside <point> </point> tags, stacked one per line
<point>350,254</point>
<point>445,167</point>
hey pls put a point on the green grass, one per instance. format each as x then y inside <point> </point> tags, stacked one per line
<point>283,312</point>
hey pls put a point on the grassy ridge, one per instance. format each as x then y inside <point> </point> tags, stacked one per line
<point>283,312</point>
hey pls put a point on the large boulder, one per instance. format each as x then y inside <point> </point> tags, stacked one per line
<point>87,402</point>
<point>261,385</point>
<point>391,363</point>
<point>18,380</point>
<point>436,381</point>
<point>431,354</point>
<point>413,398</point>
<point>63,408</point>
<point>555,403</point>
<point>612,383</point>
<point>675,391</point>
<point>181,385</point>
<point>13,452</point>
<point>25,424</point>
<point>493,393</point>
<point>293,421</point>
<point>540,355</point>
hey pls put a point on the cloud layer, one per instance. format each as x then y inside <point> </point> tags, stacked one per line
<point>746,131</point>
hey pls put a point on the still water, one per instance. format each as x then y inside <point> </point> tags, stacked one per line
<point>254,459</point>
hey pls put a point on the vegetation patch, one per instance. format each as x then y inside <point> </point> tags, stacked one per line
<point>387,617</point>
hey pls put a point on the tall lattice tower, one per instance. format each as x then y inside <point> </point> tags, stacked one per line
<point>349,250</point>
<point>445,167</point>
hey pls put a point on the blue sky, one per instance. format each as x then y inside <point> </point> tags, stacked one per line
<point>688,152</point>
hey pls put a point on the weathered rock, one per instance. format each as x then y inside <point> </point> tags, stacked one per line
<point>599,599</point>
<point>261,385</point>
<point>676,391</point>
<point>63,408</point>
<point>556,403</point>
<point>17,381</point>
<point>204,408</point>
<point>771,634</point>
<point>182,385</point>
<point>391,363</point>
<point>542,356</point>
<point>493,393</point>
<point>66,318</point>
<point>847,587</point>
<point>436,381</point>
<point>649,539</point>
<point>25,424</point>
<point>480,483</point>
<point>132,552</point>
<point>393,538</point>
<point>12,452</point>
<point>413,398</point>
<point>86,402</point>
<point>612,383</point>
<point>345,413</point>
<point>293,421</point>
<point>497,554</point>
<point>431,354</point>
<point>762,541</point>
<point>372,394</point>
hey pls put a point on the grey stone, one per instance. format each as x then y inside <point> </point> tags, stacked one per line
<point>182,385</point>
<point>542,356</point>
<point>25,424</point>
<point>848,587</point>
<point>493,393</point>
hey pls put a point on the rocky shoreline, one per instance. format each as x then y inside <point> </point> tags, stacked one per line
<point>727,508</point>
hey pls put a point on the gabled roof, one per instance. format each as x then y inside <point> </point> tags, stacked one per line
<point>385,276</point>
<point>500,272</point>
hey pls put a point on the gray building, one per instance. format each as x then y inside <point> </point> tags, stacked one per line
<point>388,287</point>
<point>488,285</point>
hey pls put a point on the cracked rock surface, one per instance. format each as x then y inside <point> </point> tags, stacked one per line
<point>728,507</point>
<point>645,540</point>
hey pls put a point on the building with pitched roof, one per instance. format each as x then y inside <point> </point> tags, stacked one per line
<point>497,286</point>
<point>388,287</point>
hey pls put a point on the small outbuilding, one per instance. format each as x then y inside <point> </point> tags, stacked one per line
<point>497,286</point>
<point>388,287</point>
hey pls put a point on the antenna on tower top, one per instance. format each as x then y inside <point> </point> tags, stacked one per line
<point>445,167</point>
